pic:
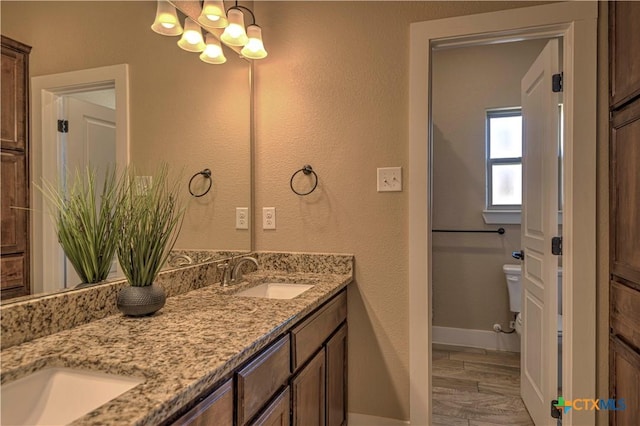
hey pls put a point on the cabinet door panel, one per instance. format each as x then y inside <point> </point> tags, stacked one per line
<point>216,409</point>
<point>309,393</point>
<point>13,128</point>
<point>13,238</point>
<point>624,382</point>
<point>278,413</point>
<point>261,378</point>
<point>337,378</point>
<point>624,46</point>
<point>625,193</point>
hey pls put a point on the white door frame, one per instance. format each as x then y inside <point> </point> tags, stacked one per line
<point>46,254</point>
<point>576,22</point>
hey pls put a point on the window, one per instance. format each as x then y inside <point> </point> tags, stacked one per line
<point>504,159</point>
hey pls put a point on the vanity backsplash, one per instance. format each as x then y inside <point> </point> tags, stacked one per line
<point>37,317</point>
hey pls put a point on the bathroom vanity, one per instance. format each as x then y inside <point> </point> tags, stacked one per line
<point>212,354</point>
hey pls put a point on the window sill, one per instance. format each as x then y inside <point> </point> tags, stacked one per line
<point>507,217</point>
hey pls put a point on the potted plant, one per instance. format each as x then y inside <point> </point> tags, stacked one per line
<point>149,217</point>
<point>85,222</point>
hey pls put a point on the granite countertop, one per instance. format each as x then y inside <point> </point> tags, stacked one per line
<point>196,340</point>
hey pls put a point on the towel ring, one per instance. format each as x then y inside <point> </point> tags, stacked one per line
<point>307,170</point>
<point>207,175</point>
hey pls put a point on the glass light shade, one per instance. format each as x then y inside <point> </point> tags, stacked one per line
<point>191,39</point>
<point>166,22</point>
<point>254,49</point>
<point>234,34</point>
<point>213,53</point>
<point>213,14</point>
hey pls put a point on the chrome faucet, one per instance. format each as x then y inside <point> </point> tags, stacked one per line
<point>231,272</point>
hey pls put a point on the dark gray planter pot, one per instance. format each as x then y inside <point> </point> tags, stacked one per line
<point>140,301</point>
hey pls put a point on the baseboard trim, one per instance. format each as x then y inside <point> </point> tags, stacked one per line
<point>356,419</point>
<point>476,338</point>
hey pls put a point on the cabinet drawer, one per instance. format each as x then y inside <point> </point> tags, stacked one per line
<point>308,336</point>
<point>12,271</point>
<point>216,408</point>
<point>277,413</point>
<point>261,378</point>
<point>625,313</point>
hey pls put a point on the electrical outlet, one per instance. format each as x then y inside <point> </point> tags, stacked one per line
<point>389,179</point>
<point>512,325</point>
<point>242,218</point>
<point>268,218</point>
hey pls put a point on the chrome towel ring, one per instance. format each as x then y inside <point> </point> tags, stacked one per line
<point>307,170</point>
<point>207,175</point>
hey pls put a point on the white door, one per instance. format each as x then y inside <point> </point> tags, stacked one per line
<point>91,140</point>
<point>539,364</point>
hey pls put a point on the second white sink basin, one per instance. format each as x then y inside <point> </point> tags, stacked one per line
<point>275,290</point>
<point>58,396</point>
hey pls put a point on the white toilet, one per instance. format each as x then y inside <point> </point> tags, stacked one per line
<point>513,274</point>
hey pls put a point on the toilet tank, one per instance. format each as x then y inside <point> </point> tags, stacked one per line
<point>513,275</point>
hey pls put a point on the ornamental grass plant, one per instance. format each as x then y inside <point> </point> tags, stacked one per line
<point>84,217</point>
<point>150,215</point>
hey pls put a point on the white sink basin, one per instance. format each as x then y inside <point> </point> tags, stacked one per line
<point>58,396</point>
<point>275,290</point>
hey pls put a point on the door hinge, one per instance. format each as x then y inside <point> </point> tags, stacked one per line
<point>556,412</point>
<point>63,126</point>
<point>556,246</point>
<point>556,82</point>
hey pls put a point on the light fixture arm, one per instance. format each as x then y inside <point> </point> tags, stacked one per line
<point>241,8</point>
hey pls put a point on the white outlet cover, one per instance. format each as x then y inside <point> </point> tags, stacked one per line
<point>268,218</point>
<point>242,218</point>
<point>389,179</point>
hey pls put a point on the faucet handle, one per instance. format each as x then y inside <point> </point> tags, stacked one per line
<point>224,278</point>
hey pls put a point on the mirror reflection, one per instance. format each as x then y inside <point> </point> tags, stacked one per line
<point>175,109</point>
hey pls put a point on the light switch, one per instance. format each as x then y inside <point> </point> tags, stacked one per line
<point>389,179</point>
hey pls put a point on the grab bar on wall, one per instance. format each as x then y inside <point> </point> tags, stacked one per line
<point>482,231</point>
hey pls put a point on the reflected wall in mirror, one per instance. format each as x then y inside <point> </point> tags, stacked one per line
<point>182,111</point>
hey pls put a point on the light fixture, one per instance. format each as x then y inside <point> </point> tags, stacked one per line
<point>191,39</point>
<point>234,34</point>
<point>254,49</point>
<point>213,14</point>
<point>166,22</point>
<point>213,53</point>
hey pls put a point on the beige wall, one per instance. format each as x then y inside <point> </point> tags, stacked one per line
<point>334,93</point>
<point>469,287</point>
<point>183,111</point>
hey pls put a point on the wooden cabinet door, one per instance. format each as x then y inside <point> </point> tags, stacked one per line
<point>336,349</point>
<point>308,387</point>
<point>278,413</point>
<point>14,170</point>
<point>624,41</point>
<point>625,193</point>
<point>624,367</point>
<point>15,104</point>
<point>216,409</point>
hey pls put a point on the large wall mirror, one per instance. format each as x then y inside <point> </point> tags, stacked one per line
<point>182,111</point>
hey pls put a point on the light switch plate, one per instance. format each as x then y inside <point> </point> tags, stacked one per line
<point>242,218</point>
<point>389,179</point>
<point>268,218</point>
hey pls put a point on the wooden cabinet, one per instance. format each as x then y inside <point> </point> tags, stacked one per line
<point>14,169</point>
<point>261,378</point>
<point>624,45</point>
<point>624,205</point>
<point>215,409</point>
<point>336,353</point>
<point>300,379</point>
<point>278,412</point>
<point>308,388</point>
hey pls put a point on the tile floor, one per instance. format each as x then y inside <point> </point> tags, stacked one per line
<point>476,387</point>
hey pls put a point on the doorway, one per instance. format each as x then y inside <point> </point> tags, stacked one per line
<point>49,95</point>
<point>576,24</point>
